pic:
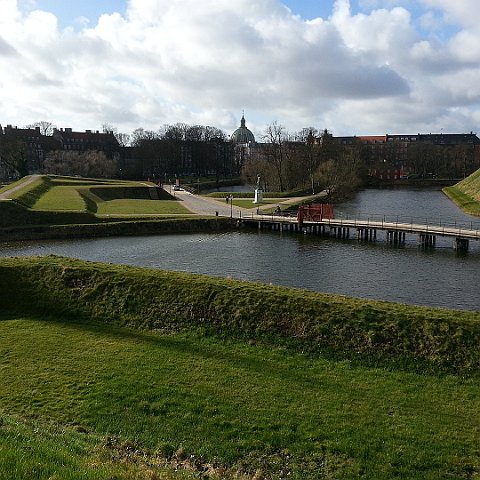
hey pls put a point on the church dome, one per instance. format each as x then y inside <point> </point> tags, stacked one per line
<point>242,134</point>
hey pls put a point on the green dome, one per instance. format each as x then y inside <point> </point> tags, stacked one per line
<point>242,134</point>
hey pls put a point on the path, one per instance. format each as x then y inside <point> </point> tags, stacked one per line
<point>209,206</point>
<point>7,194</point>
<point>296,200</point>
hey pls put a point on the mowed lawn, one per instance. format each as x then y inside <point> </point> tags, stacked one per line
<point>129,206</point>
<point>69,198</point>
<point>248,202</point>
<point>60,198</point>
<point>224,403</point>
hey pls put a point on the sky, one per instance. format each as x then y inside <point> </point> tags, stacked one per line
<point>354,67</point>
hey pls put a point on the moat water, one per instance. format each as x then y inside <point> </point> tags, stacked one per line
<point>439,277</point>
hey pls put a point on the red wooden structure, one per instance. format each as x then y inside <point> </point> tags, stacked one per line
<point>315,212</point>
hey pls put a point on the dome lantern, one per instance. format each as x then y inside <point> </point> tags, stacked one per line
<point>242,135</point>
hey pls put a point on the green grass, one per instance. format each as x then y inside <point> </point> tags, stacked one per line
<point>466,194</point>
<point>141,207</point>
<point>256,379</point>
<point>32,192</point>
<point>272,195</point>
<point>8,186</point>
<point>71,200</point>
<point>33,448</point>
<point>464,201</point>
<point>241,406</point>
<point>248,203</point>
<point>420,338</point>
<point>60,198</point>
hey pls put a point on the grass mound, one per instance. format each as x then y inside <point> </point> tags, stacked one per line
<point>306,321</point>
<point>31,193</point>
<point>106,194</point>
<point>93,400</point>
<point>466,194</point>
<point>71,201</point>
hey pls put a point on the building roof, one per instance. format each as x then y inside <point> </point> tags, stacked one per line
<point>242,134</point>
<point>372,138</point>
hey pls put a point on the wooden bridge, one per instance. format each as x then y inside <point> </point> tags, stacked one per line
<point>366,229</point>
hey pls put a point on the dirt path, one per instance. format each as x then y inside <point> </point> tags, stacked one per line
<point>7,194</point>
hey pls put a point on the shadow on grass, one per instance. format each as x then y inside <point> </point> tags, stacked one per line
<point>211,346</point>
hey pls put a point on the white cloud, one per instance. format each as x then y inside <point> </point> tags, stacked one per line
<point>462,12</point>
<point>168,61</point>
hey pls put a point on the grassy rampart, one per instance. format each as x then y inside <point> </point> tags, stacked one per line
<point>79,204</point>
<point>116,227</point>
<point>466,194</point>
<point>13,214</point>
<point>358,329</point>
<point>31,193</point>
<point>221,379</point>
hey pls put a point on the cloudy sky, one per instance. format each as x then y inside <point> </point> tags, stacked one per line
<point>354,67</point>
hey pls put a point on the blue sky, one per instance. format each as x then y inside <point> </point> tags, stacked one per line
<point>70,10</point>
<point>354,67</point>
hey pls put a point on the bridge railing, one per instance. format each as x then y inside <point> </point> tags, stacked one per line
<point>406,220</point>
<point>433,225</point>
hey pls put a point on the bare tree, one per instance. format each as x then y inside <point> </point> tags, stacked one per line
<point>341,175</point>
<point>46,128</point>
<point>14,156</point>
<point>311,154</point>
<point>123,139</point>
<point>274,151</point>
<point>86,164</point>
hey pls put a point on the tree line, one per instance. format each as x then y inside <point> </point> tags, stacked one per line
<point>309,160</point>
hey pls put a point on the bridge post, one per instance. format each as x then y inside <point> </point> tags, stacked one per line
<point>426,240</point>
<point>461,244</point>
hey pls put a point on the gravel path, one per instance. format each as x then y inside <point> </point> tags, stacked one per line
<point>7,194</point>
<point>207,206</point>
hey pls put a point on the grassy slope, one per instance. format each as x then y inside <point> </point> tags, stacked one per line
<point>258,406</point>
<point>61,198</point>
<point>245,407</point>
<point>65,200</point>
<point>466,194</point>
<point>306,320</point>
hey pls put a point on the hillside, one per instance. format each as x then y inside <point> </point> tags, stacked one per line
<point>120,372</point>
<point>466,194</point>
<point>43,200</point>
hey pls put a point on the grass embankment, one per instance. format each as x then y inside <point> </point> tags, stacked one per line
<point>466,194</point>
<point>74,202</point>
<point>217,374</point>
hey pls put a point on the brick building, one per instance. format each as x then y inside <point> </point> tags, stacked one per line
<point>397,156</point>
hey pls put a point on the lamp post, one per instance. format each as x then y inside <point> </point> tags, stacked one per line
<point>231,205</point>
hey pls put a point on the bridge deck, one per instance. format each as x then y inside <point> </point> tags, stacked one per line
<point>461,232</point>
